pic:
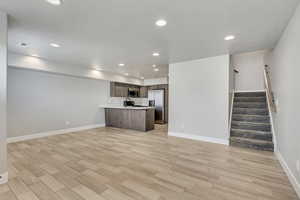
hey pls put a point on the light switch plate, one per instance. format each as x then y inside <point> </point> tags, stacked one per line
<point>298,165</point>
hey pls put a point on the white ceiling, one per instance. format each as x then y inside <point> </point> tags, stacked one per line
<point>108,32</point>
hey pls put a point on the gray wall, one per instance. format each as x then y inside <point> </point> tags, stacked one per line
<point>285,70</point>
<point>198,97</point>
<point>3,91</point>
<point>40,102</point>
<point>250,66</point>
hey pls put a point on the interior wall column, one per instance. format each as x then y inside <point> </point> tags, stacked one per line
<point>3,98</point>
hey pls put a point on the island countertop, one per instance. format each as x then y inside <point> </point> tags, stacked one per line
<point>127,107</point>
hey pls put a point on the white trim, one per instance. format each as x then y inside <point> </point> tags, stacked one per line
<point>4,178</point>
<point>200,138</point>
<point>241,91</point>
<point>289,173</point>
<point>50,133</point>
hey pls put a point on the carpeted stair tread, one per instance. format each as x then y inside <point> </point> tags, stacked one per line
<point>252,134</point>
<point>250,94</point>
<point>250,99</point>
<point>252,143</point>
<point>248,140</point>
<point>250,105</point>
<point>251,125</point>
<point>250,111</point>
<point>251,118</point>
<point>253,131</point>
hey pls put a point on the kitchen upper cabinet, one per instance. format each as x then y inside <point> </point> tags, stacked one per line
<point>112,89</point>
<point>118,90</point>
<point>143,92</point>
<point>121,90</point>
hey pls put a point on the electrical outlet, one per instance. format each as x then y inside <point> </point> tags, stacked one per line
<point>298,166</point>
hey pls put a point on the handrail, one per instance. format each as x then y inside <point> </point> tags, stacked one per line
<point>268,87</point>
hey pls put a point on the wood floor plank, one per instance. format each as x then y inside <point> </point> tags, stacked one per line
<point>52,183</point>
<point>142,190</point>
<point>17,186</point>
<point>113,164</point>
<point>8,196</point>
<point>112,194</point>
<point>28,196</point>
<point>4,188</point>
<point>68,194</point>
<point>43,192</point>
<point>87,193</point>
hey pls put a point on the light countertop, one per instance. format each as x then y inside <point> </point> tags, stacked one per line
<point>127,108</point>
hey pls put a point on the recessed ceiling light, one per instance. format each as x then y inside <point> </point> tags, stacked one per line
<point>142,77</point>
<point>121,64</point>
<point>156,69</point>
<point>126,74</point>
<point>155,54</point>
<point>55,2</point>
<point>229,37</point>
<point>35,55</point>
<point>161,22</point>
<point>54,45</point>
<point>154,66</point>
<point>23,44</point>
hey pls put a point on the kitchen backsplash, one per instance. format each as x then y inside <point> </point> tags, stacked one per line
<point>118,101</point>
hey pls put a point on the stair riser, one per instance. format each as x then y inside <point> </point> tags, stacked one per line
<point>253,146</point>
<point>255,127</point>
<point>250,99</point>
<point>250,94</point>
<point>250,111</point>
<point>266,137</point>
<point>261,119</point>
<point>249,105</point>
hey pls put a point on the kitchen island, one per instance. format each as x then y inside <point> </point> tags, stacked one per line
<point>135,118</point>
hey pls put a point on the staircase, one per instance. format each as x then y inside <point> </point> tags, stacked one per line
<point>250,124</point>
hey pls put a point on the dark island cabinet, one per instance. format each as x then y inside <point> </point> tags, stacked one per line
<point>135,119</point>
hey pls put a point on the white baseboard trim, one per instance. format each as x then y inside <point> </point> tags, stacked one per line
<point>289,173</point>
<point>50,133</point>
<point>199,138</point>
<point>240,91</point>
<point>3,178</point>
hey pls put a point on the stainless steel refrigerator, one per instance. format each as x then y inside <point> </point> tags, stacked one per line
<point>158,97</point>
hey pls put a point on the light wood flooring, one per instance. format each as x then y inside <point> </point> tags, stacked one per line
<point>115,164</point>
